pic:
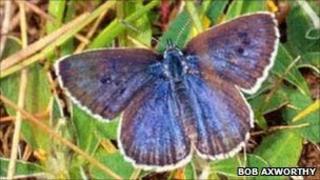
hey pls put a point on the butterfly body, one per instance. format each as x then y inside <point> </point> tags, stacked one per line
<point>185,101</point>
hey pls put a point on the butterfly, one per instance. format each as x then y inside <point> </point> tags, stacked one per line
<point>183,102</point>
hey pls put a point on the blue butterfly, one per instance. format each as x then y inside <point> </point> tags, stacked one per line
<point>182,102</point>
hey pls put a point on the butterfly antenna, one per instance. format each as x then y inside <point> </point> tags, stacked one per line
<point>136,29</point>
<point>169,43</point>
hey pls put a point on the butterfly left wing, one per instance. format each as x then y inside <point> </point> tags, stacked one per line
<point>241,51</point>
<point>151,133</point>
<point>103,82</point>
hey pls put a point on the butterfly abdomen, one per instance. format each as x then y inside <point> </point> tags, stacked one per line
<point>185,111</point>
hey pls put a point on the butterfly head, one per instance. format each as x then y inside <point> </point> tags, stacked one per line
<point>173,63</point>
<point>172,50</point>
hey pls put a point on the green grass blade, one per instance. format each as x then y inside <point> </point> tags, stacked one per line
<point>106,36</point>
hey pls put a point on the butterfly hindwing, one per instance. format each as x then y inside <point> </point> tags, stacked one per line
<point>152,134</point>
<point>104,81</point>
<point>223,116</point>
<point>241,50</point>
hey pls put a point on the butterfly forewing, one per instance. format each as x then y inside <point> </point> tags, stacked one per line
<point>241,50</point>
<point>104,81</point>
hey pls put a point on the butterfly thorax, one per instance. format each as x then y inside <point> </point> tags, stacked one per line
<point>174,65</point>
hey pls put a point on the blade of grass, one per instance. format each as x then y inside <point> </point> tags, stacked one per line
<point>298,102</point>
<point>21,100</point>
<point>138,33</point>
<point>55,9</point>
<point>311,108</point>
<point>278,128</point>
<point>310,12</point>
<point>284,60</point>
<point>194,16</point>
<point>281,149</point>
<point>135,174</point>
<point>178,31</point>
<point>116,27</point>
<point>5,25</point>
<point>90,33</point>
<point>40,44</point>
<point>71,30</point>
<point>277,85</point>
<point>215,10</point>
<point>121,13</point>
<point>68,47</point>
<point>24,169</point>
<point>234,9</point>
<point>311,60</point>
<point>56,136</point>
<point>50,42</point>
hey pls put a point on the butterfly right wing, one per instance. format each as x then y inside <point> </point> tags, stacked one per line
<point>103,82</point>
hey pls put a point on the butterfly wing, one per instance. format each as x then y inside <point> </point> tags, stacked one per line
<point>223,118</point>
<point>241,51</point>
<point>103,82</point>
<point>151,134</point>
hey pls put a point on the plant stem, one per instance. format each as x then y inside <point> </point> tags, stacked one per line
<point>22,94</point>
